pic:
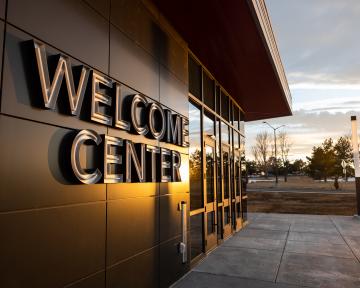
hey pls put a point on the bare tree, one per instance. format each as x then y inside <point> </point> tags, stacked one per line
<point>262,150</point>
<point>284,147</point>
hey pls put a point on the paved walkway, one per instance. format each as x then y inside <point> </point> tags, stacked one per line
<point>284,250</point>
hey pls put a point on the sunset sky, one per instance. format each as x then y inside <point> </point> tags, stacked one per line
<point>319,43</point>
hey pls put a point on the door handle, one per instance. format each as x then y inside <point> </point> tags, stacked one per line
<point>183,243</point>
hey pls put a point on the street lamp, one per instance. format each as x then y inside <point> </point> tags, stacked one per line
<point>276,164</point>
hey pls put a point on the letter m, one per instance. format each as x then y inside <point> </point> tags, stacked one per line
<point>50,91</point>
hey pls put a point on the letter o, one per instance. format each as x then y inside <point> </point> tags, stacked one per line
<point>151,119</point>
<point>137,99</point>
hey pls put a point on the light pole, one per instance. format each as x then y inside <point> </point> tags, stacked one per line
<point>276,164</point>
<point>355,146</point>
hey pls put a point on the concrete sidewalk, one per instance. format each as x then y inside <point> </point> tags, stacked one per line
<point>284,250</point>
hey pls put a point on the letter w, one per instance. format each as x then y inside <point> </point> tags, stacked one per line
<point>50,91</point>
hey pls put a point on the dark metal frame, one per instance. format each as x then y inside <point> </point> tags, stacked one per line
<point>236,221</point>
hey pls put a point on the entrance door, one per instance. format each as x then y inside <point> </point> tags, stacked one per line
<point>210,193</point>
<point>226,207</point>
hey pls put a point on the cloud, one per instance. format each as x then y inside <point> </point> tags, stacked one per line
<point>319,43</point>
<point>318,40</point>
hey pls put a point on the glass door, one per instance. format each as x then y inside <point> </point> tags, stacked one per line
<point>226,203</point>
<point>210,193</point>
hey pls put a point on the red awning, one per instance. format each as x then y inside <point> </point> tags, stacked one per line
<point>234,40</point>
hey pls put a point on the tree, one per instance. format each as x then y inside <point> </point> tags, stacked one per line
<point>297,166</point>
<point>322,161</point>
<point>284,147</point>
<point>251,167</point>
<point>262,151</point>
<point>343,151</point>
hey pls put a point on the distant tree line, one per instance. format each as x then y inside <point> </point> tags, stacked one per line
<point>325,160</point>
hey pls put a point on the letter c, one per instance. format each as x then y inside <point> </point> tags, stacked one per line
<point>80,173</point>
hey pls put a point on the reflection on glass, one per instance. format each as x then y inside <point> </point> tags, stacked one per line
<point>210,160</point>
<point>236,140</point>
<point>196,233</point>
<point>219,221</point>
<point>226,167</point>
<point>237,175</point>
<point>243,173</point>
<point>242,124</point>
<point>217,99</point>
<point>209,91</point>
<point>244,209</point>
<point>196,199</point>
<point>218,163</point>
<point>233,215</point>
<point>194,78</point>
<point>225,106</point>
<point>238,210</point>
<point>209,124</point>
<point>225,138</point>
<point>227,215</point>
<point>242,146</point>
<point>236,120</point>
<point>210,222</point>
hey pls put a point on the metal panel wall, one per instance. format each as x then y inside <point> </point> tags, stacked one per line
<point>58,234</point>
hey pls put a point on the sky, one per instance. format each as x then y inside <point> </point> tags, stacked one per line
<point>319,44</point>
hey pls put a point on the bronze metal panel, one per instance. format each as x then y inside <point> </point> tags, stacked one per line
<point>136,22</point>
<point>170,215</point>
<point>21,95</point>
<point>96,280</point>
<point>173,92</point>
<point>71,26</point>
<point>51,247</point>
<point>171,265</point>
<point>132,65</point>
<point>133,227</point>
<point>2,9</point>
<point>34,170</point>
<point>101,6</point>
<point>140,271</point>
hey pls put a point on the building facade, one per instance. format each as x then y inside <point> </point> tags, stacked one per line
<point>122,135</point>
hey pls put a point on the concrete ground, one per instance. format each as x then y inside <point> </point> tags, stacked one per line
<point>284,250</point>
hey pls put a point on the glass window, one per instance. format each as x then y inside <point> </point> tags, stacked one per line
<point>224,106</point>
<point>196,233</point>
<point>195,159</point>
<point>209,91</point>
<point>242,123</point>
<point>226,172</point>
<point>194,78</point>
<point>236,122</point>
<point>237,168</point>
<point>238,210</point>
<point>225,136</point>
<point>244,209</point>
<point>218,99</point>
<point>227,215</point>
<point>209,124</point>
<point>219,221</point>
<point>236,140</point>
<point>210,177</point>
<point>218,160</point>
<point>210,222</point>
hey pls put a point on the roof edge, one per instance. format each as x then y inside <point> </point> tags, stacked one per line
<point>262,20</point>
